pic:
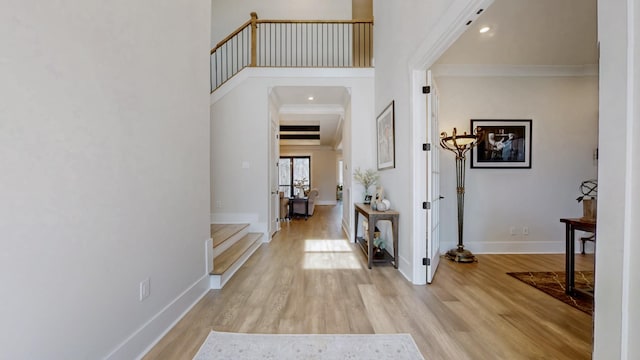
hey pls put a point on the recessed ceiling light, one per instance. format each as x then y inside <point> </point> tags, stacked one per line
<point>310,98</point>
<point>484,29</point>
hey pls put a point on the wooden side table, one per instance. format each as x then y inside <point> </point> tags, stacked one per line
<point>373,216</point>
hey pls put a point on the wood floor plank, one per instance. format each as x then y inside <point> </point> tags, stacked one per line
<point>310,279</point>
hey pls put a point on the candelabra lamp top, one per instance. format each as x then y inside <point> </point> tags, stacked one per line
<point>460,144</point>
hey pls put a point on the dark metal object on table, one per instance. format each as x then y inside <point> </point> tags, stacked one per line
<point>572,225</point>
<point>460,145</point>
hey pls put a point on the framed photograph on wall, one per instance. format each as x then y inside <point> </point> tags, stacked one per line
<point>386,138</point>
<point>506,145</point>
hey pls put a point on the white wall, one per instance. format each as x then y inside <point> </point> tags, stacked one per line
<point>564,113</point>
<point>239,136</point>
<point>228,15</point>
<point>323,170</point>
<point>617,319</point>
<point>104,181</point>
<point>401,28</point>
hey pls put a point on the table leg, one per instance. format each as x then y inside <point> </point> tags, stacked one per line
<point>570,258</point>
<point>306,211</point>
<point>355,226</point>
<point>394,223</point>
<point>372,226</point>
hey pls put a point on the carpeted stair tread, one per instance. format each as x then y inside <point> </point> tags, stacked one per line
<point>225,260</point>
<point>221,232</point>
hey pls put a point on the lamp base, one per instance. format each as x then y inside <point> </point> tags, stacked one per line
<point>461,256</point>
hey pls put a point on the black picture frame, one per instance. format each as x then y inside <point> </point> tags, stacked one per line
<point>506,144</point>
<point>386,138</point>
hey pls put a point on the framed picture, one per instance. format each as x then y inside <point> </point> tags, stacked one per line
<point>367,199</point>
<point>506,144</point>
<point>386,138</point>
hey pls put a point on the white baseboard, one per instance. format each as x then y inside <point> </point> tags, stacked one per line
<point>345,229</point>
<point>149,334</point>
<point>404,264</point>
<point>208,255</point>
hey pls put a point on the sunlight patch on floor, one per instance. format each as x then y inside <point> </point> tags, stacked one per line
<point>329,254</point>
<point>324,245</point>
<point>330,261</point>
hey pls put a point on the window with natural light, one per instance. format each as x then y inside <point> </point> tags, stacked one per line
<point>294,171</point>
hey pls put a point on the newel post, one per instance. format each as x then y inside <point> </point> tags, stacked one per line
<point>254,30</point>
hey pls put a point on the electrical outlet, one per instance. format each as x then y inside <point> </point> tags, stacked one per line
<point>512,231</point>
<point>525,230</point>
<point>218,204</point>
<point>145,288</point>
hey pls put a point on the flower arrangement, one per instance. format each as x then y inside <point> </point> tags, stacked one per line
<point>366,178</point>
<point>300,185</point>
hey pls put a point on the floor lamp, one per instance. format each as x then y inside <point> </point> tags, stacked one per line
<point>460,145</point>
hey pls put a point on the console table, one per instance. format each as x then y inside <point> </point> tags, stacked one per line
<point>373,216</point>
<point>573,224</point>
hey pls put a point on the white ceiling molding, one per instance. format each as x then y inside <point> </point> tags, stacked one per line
<point>291,148</point>
<point>477,70</point>
<point>311,109</point>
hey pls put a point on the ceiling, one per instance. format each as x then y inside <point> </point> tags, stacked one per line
<point>530,32</point>
<point>522,32</point>
<point>325,109</point>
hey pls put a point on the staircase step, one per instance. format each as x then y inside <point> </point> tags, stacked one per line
<point>223,232</point>
<point>229,257</point>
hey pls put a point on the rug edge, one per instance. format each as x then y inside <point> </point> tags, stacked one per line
<point>403,335</point>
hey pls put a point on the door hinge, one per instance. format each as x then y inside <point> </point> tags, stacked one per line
<point>426,205</point>
<point>426,147</point>
<point>426,261</point>
<point>426,89</point>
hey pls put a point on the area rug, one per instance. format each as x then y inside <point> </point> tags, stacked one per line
<point>222,345</point>
<point>553,283</point>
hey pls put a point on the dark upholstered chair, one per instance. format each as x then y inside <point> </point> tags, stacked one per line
<point>299,207</point>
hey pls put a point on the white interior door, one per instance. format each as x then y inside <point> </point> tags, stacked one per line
<point>433,181</point>
<point>274,158</point>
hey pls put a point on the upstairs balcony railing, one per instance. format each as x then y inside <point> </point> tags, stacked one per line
<point>292,43</point>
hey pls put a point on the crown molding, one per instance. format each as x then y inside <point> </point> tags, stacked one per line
<point>476,70</point>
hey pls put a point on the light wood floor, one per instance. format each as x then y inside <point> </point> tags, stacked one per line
<point>310,279</point>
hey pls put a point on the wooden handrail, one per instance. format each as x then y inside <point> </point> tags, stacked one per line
<point>340,43</point>
<point>254,20</point>
<point>236,32</point>
<point>355,21</point>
